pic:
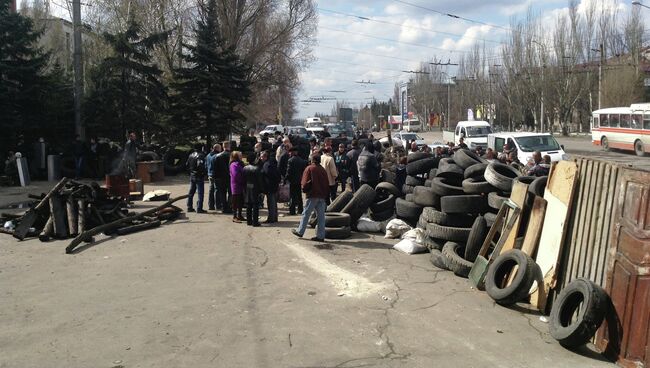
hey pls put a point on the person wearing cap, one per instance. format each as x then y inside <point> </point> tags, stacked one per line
<point>315,184</point>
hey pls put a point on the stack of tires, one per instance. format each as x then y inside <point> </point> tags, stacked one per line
<point>383,206</point>
<point>417,195</point>
<point>457,225</point>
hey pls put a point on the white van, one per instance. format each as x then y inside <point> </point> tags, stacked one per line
<point>412,125</point>
<point>313,122</point>
<point>474,133</point>
<point>526,144</point>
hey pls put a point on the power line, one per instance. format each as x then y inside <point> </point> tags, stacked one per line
<point>405,26</point>
<point>390,40</point>
<point>452,15</point>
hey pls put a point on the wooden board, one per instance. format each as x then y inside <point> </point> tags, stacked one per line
<point>534,230</point>
<point>558,195</point>
<point>518,197</point>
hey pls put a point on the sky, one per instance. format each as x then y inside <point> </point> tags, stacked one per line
<point>377,40</point>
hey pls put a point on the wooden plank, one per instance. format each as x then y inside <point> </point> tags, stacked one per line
<point>535,225</point>
<point>607,232</point>
<point>583,214</point>
<point>577,222</point>
<point>518,197</point>
<point>584,244</point>
<point>558,195</point>
<point>596,224</point>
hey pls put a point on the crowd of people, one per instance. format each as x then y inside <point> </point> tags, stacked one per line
<point>237,183</point>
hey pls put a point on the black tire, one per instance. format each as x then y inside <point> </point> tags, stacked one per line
<point>476,238</point>
<point>490,219</point>
<point>450,168</point>
<point>340,202</point>
<point>382,216</point>
<point>148,156</point>
<point>359,204</point>
<point>446,161</point>
<point>538,186</point>
<point>476,170</point>
<point>501,176</point>
<point>384,205</point>
<point>417,156</point>
<point>337,232</point>
<point>337,219</point>
<point>495,200</point>
<point>438,259</point>
<point>407,189</point>
<point>499,270</point>
<point>445,187</point>
<point>433,243</point>
<point>592,301</point>
<point>424,196</point>
<point>407,210</point>
<point>468,203</point>
<point>466,158</point>
<point>409,197</point>
<point>604,143</point>
<point>386,187</point>
<point>455,262</point>
<point>431,215</point>
<point>477,185</point>
<point>387,176</point>
<point>174,161</point>
<point>638,148</point>
<point>525,179</point>
<point>450,233</point>
<point>421,166</point>
<point>414,181</point>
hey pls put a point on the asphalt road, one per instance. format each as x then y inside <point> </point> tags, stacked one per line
<point>205,292</point>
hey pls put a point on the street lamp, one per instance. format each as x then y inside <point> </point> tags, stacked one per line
<point>639,4</point>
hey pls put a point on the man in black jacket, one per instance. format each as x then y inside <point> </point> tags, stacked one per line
<point>254,187</point>
<point>295,166</point>
<point>196,166</point>
<point>222,176</point>
<point>353,170</point>
<point>272,179</point>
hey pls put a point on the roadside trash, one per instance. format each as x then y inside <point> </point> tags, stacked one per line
<point>156,195</point>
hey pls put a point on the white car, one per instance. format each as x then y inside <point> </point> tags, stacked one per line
<point>271,129</point>
<point>406,137</point>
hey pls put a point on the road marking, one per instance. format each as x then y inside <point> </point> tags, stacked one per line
<point>343,280</point>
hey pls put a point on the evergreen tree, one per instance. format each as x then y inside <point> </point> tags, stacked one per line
<point>127,90</point>
<point>23,87</point>
<point>213,86</point>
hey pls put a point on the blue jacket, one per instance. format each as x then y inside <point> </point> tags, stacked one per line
<point>211,163</point>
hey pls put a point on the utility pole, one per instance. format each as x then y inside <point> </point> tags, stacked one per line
<point>78,69</point>
<point>600,75</point>
<point>12,7</point>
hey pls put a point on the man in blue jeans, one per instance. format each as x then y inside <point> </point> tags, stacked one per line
<point>214,199</point>
<point>315,184</point>
<point>196,165</point>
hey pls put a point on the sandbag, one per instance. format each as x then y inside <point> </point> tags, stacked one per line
<point>409,246</point>
<point>395,228</point>
<point>366,225</point>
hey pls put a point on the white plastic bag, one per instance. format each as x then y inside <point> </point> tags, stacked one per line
<point>409,246</point>
<point>367,225</point>
<point>395,228</point>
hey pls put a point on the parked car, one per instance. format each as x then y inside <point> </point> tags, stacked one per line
<point>527,143</point>
<point>271,130</point>
<point>298,131</point>
<point>473,132</point>
<point>406,137</point>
